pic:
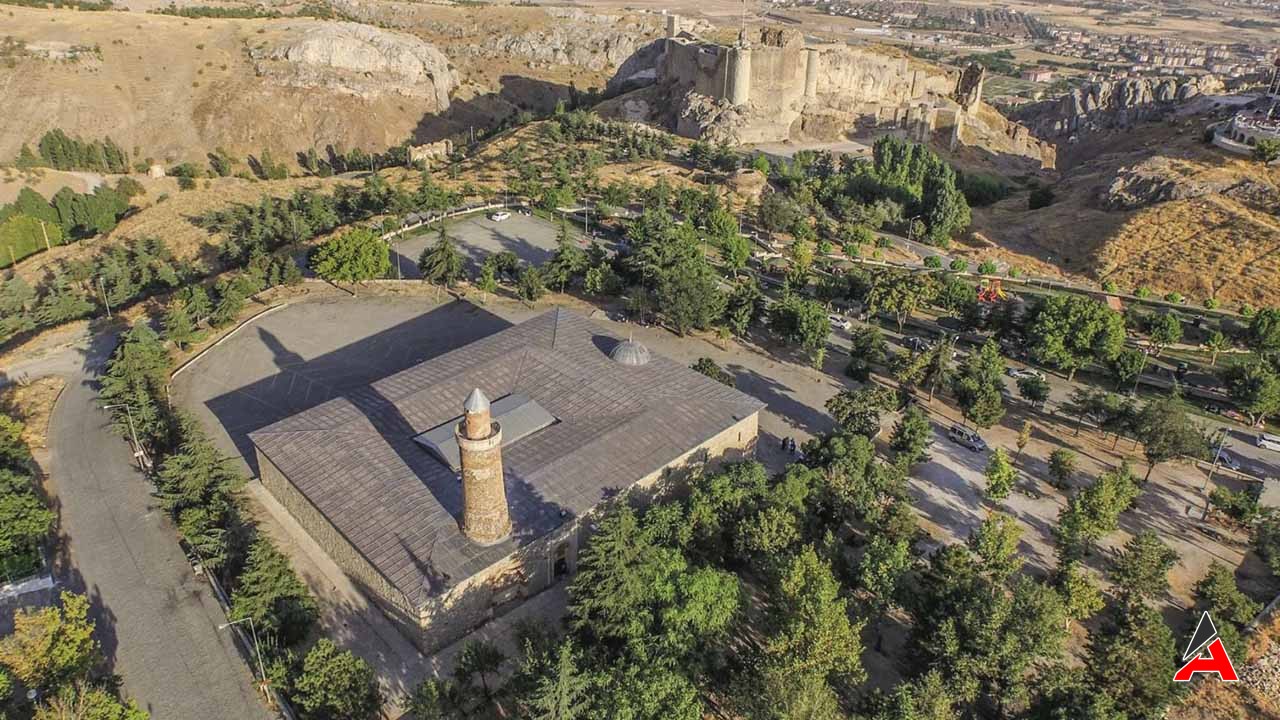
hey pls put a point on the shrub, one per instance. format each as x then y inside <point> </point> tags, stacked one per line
<point>987,267</point>
<point>933,261</point>
<point>959,265</point>
<point>1040,197</point>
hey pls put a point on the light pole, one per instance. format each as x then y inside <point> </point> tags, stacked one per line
<point>138,453</point>
<point>257,649</point>
<point>103,288</point>
<point>1217,456</point>
<point>1138,378</point>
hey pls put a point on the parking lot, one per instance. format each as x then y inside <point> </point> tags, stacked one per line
<point>531,238</point>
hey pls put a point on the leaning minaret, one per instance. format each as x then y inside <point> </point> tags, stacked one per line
<point>485,518</point>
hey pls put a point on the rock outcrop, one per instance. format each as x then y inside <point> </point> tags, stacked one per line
<point>1160,179</point>
<point>359,60</point>
<point>778,88</point>
<point>1112,104</point>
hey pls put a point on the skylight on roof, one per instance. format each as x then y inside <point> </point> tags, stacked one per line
<point>518,415</point>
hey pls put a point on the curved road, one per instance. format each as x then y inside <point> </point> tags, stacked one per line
<point>157,621</point>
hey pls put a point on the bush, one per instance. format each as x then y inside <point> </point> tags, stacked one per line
<point>987,267</point>
<point>1210,303</point>
<point>1240,506</point>
<point>1143,291</point>
<point>1110,286</point>
<point>933,261</point>
<point>982,190</point>
<point>959,265</point>
<point>1174,297</point>
<point>1040,197</point>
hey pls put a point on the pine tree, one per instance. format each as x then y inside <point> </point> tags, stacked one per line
<point>179,329</point>
<point>562,695</point>
<point>271,594</point>
<point>442,263</point>
<point>912,436</point>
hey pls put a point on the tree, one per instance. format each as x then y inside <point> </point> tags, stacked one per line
<point>858,411</point>
<point>1034,389</point>
<point>1266,150</point>
<point>912,436</point>
<point>1216,344</point>
<point>1062,465</point>
<point>337,685</point>
<point>25,520</point>
<point>52,645</point>
<point>1141,569</point>
<point>1164,331</point>
<point>735,251</point>
<point>1000,476</point>
<point>436,699</point>
<point>1255,388</point>
<point>744,305</point>
<point>479,658</point>
<point>179,328</point>
<point>1218,594</point>
<point>978,384</point>
<point>900,294</point>
<point>1127,365</point>
<point>811,633</point>
<point>442,263</point>
<point>708,367</point>
<point>1132,660</point>
<point>82,701</point>
<point>1093,512</point>
<point>1264,331</point>
<point>562,694</point>
<point>486,281</point>
<point>1080,596</point>
<point>1066,331</point>
<point>1266,539</point>
<point>271,594</point>
<point>802,322</point>
<point>1024,439</point>
<point>352,257</point>
<point>689,297</point>
<point>1167,433</point>
<point>530,286</point>
<point>136,376</point>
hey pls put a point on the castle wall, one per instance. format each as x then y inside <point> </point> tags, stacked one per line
<point>702,68</point>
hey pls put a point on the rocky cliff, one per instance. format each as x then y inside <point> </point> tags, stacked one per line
<point>359,60</point>
<point>1112,104</point>
<point>780,88</point>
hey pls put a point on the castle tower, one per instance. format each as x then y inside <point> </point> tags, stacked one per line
<point>673,25</point>
<point>485,517</point>
<point>811,73</point>
<point>1274,90</point>
<point>739,75</point>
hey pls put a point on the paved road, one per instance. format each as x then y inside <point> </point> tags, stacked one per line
<point>157,622</point>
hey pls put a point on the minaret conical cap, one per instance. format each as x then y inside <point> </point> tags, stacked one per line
<point>476,402</point>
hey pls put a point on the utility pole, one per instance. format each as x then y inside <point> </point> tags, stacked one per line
<point>103,288</point>
<point>1217,458</point>
<point>257,649</point>
<point>138,453</point>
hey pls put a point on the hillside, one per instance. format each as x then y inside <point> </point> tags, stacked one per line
<point>172,88</point>
<point>1153,207</point>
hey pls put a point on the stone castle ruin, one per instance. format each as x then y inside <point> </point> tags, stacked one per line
<point>774,86</point>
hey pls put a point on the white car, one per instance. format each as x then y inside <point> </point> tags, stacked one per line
<point>840,322</point>
<point>1020,373</point>
<point>499,216</point>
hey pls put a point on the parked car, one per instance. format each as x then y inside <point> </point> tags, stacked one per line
<point>1228,461</point>
<point>917,344</point>
<point>1020,373</point>
<point>499,216</point>
<point>839,321</point>
<point>965,437</point>
<point>1268,441</point>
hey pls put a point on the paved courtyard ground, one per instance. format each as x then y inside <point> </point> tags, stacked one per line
<point>317,349</point>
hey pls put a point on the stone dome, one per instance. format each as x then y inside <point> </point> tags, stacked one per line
<point>630,352</point>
